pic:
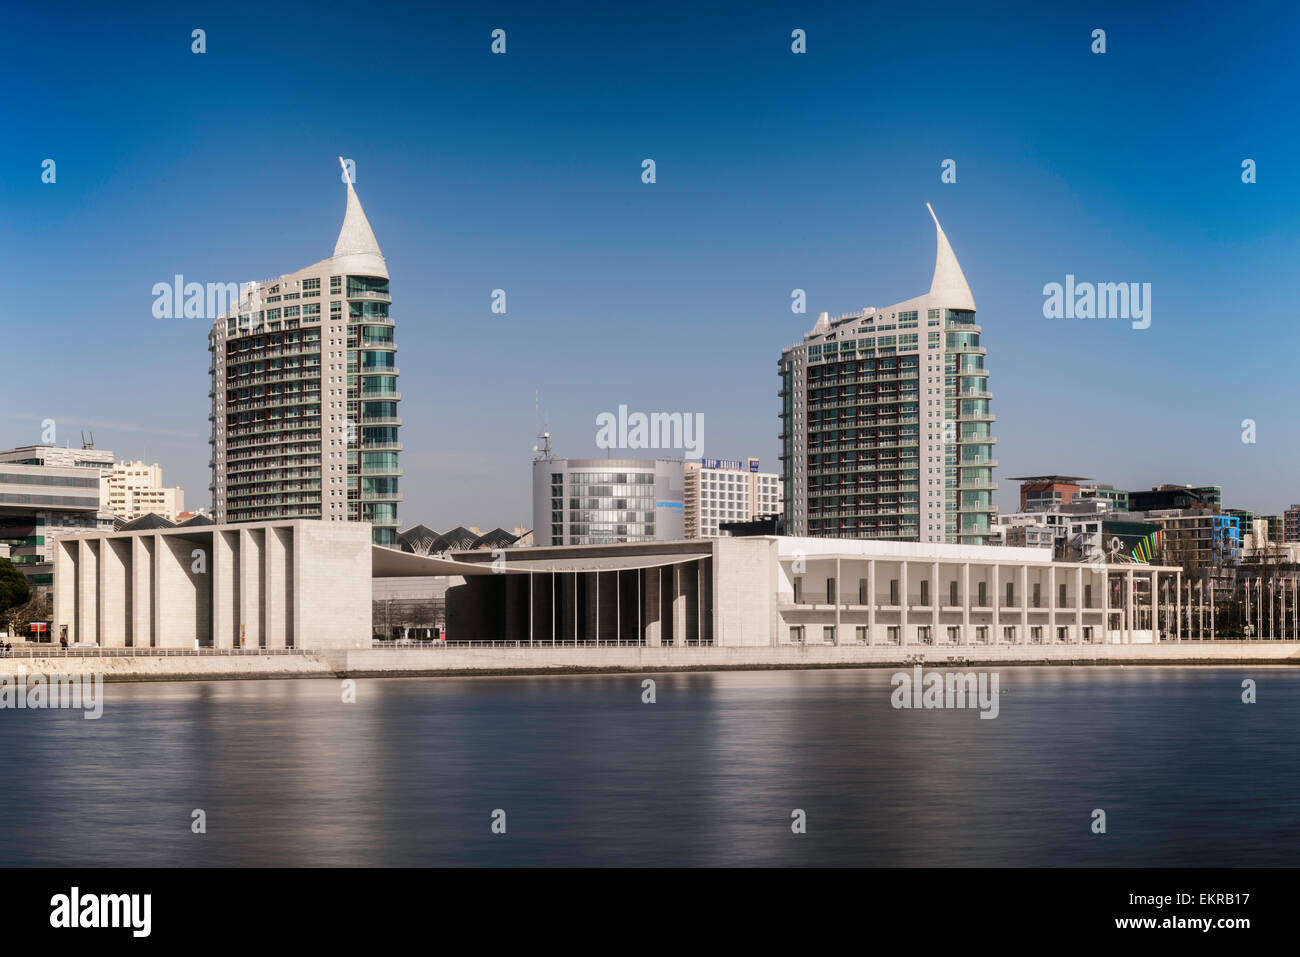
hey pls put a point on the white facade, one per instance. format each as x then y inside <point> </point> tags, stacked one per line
<point>273,585</point>
<point>132,489</point>
<point>719,491</point>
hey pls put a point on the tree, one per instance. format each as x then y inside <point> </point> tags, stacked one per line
<point>37,608</point>
<point>13,586</point>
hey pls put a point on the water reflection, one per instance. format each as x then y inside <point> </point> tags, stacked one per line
<point>587,774</point>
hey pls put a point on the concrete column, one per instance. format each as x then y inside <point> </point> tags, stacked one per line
<point>1178,606</point>
<point>115,598</point>
<point>1078,605</point>
<point>997,604</point>
<point>965,603</point>
<point>87,591</point>
<point>142,634</point>
<point>65,589</point>
<point>224,591</point>
<point>679,608</point>
<point>1105,603</point>
<point>839,598</point>
<point>936,602</point>
<point>273,576</point>
<point>902,597</point>
<point>1024,604</point>
<point>250,588</point>
<point>1051,604</point>
<point>871,601</point>
<point>651,604</point>
<point>1128,607</point>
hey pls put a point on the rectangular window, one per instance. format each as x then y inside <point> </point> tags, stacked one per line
<point>860,632</point>
<point>952,593</point>
<point>1036,634</point>
<point>798,591</point>
<point>1009,634</point>
<point>983,595</point>
<point>1038,594</point>
<point>828,634</point>
<point>892,634</point>
<point>982,634</point>
<point>1087,596</point>
<point>830,591</point>
<point>1062,633</point>
<point>923,634</point>
<point>925,591</point>
<point>796,634</point>
<point>893,591</point>
<point>1060,595</point>
<point>1011,595</point>
<point>864,597</point>
<point>954,634</point>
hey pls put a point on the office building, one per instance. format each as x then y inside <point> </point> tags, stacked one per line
<point>304,393</point>
<point>885,421</point>
<point>1039,492</point>
<point>1161,497</point>
<point>46,492</point>
<point>598,501</point>
<point>725,490</point>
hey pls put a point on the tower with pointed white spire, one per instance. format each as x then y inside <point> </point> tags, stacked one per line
<point>304,391</point>
<point>885,422</point>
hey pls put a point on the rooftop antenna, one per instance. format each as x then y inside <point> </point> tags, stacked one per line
<point>543,448</point>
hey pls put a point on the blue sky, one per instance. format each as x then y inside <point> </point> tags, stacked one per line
<point>775,171</point>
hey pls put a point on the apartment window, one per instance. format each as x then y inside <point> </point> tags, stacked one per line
<point>1062,633</point>
<point>796,634</point>
<point>954,634</point>
<point>1009,634</point>
<point>1038,594</point>
<point>1036,634</point>
<point>982,634</point>
<point>828,634</point>
<point>923,634</point>
<point>892,634</point>
<point>336,284</point>
<point>861,634</point>
<point>1087,633</point>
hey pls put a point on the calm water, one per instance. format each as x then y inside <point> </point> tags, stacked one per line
<point>588,775</point>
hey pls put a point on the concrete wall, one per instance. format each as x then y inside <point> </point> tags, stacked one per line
<point>287,584</point>
<point>451,660</point>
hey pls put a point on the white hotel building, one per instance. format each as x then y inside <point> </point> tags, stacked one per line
<point>727,490</point>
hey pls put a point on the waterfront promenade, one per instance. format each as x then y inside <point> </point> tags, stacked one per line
<point>487,658</point>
